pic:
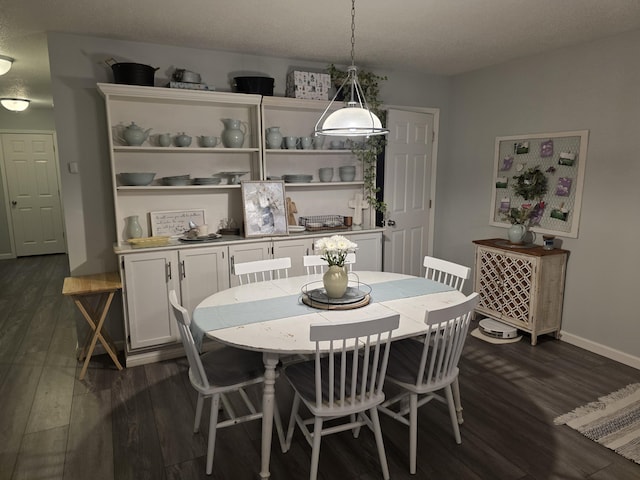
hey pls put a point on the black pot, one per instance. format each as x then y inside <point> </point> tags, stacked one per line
<point>257,85</point>
<point>133,74</point>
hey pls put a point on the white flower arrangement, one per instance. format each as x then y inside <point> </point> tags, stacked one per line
<point>335,249</point>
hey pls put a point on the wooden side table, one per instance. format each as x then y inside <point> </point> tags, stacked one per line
<point>103,286</point>
<point>521,285</point>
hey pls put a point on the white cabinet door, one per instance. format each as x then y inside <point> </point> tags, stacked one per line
<point>369,252</point>
<point>203,272</point>
<point>247,252</point>
<point>294,249</point>
<point>148,278</point>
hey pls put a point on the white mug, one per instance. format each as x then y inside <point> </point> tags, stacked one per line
<point>306,143</point>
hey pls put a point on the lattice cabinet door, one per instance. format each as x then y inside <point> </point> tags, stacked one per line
<point>521,286</point>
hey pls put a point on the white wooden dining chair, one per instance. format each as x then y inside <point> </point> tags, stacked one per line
<point>221,371</point>
<point>262,270</point>
<point>344,384</point>
<point>423,368</point>
<point>446,272</point>
<point>315,263</point>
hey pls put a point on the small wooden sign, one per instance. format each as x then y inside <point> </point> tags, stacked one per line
<point>174,223</point>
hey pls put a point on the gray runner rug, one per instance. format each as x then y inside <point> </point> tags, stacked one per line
<point>612,421</point>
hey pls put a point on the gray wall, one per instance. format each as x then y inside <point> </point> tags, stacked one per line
<point>593,87</point>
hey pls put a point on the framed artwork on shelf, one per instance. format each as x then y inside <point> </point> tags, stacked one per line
<point>542,174</point>
<point>263,206</point>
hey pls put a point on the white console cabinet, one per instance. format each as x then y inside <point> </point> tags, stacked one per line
<point>522,286</point>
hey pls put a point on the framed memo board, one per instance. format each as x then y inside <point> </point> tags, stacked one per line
<point>520,160</point>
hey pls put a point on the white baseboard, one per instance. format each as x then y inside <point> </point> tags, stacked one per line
<point>600,349</point>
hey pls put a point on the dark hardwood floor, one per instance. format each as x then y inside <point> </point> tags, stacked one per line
<point>137,424</point>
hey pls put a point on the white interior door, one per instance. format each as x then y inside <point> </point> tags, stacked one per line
<point>34,193</point>
<point>408,190</point>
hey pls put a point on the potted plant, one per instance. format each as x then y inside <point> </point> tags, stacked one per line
<point>521,218</point>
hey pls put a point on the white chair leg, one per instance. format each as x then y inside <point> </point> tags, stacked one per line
<point>279,430</point>
<point>456,400</point>
<point>292,423</point>
<point>356,430</point>
<point>196,424</point>
<point>213,424</point>
<point>452,413</point>
<point>413,432</point>
<point>315,451</point>
<point>377,432</point>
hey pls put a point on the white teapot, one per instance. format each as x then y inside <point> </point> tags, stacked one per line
<point>134,135</point>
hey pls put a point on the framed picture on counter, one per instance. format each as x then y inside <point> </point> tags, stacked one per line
<point>174,223</point>
<point>263,206</point>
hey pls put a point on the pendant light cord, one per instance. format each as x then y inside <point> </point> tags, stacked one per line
<point>355,119</point>
<point>353,32</point>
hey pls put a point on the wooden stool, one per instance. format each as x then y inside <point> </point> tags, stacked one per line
<point>101,285</point>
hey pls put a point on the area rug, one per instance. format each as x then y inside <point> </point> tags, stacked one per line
<point>612,421</point>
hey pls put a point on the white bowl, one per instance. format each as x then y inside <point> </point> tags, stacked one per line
<point>137,179</point>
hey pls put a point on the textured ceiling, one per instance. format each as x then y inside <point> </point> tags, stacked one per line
<point>432,36</point>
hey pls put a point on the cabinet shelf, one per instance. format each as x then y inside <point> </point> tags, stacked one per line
<point>155,188</point>
<point>323,184</point>
<point>326,151</point>
<point>190,150</point>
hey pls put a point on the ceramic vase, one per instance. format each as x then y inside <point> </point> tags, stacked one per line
<point>274,137</point>
<point>516,233</point>
<point>335,281</point>
<point>233,133</point>
<point>133,228</point>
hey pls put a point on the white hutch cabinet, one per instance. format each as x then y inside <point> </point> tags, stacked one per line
<point>196,271</point>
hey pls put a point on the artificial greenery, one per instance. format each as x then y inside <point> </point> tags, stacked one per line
<point>532,184</point>
<point>369,82</point>
<point>527,214</point>
<point>518,216</point>
<point>369,150</point>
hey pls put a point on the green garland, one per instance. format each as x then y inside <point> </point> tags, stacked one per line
<point>531,184</point>
<point>368,151</point>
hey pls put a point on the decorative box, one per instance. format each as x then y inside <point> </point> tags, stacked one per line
<point>309,85</point>
<point>189,86</point>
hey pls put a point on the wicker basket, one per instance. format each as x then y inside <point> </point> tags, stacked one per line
<point>149,242</point>
<point>320,223</point>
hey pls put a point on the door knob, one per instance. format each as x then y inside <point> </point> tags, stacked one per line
<point>14,203</point>
<point>391,223</point>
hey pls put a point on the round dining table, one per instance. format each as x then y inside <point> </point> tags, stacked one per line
<point>271,317</point>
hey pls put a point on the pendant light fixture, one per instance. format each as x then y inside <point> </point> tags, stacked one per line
<point>355,119</point>
<point>5,64</point>
<point>15,104</point>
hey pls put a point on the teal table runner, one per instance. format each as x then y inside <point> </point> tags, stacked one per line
<point>236,314</point>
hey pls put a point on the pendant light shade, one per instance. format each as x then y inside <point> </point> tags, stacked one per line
<point>14,104</point>
<point>5,64</point>
<point>355,119</point>
<point>352,121</point>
